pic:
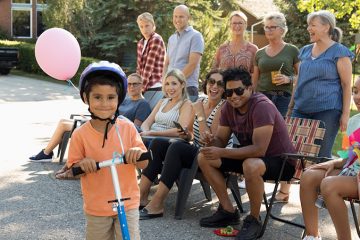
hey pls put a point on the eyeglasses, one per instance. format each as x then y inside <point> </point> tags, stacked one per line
<point>134,84</point>
<point>270,28</point>
<point>238,91</point>
<point>212,81</point>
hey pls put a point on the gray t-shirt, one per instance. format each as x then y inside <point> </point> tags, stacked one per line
<point>179,47</point>
<point>135,109</point>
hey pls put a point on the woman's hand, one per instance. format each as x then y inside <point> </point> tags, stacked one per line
<point>344,119</point>
<point>282,79</point>
<point>198,107</point>
<point>206,138</point>
<point>326,166</point>
<point>184,134</point>
<point>146,133</point>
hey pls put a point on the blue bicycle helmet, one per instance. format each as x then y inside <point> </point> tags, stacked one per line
<point>109,70</point>
<point>106,68</point>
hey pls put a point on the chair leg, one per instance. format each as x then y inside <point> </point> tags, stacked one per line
<point>207,191</point>
<point>64,143</point>
<point>355,218</point>
<point>232,183</point>
<point>184,186</point>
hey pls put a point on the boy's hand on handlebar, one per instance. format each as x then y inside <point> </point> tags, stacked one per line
<point>88,165</point>
<point>133,154</point>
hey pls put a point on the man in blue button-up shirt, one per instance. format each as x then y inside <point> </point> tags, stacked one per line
<point>185,48</point>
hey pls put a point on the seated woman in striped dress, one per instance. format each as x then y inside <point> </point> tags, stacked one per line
<point>169,156</point>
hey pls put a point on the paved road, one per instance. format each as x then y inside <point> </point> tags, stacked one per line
<point>34,205</point>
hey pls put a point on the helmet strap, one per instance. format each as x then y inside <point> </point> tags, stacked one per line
<point>109,120</point>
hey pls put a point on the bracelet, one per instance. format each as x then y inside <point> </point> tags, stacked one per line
<point>291,79</point>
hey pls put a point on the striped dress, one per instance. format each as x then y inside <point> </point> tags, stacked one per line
<point>209,121</point>
<point>164,120</point>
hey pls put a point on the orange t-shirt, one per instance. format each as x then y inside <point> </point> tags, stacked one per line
<point>97,188</point>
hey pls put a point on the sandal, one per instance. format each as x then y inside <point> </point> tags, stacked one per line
<point>285,199</point>
<point>229,231</point>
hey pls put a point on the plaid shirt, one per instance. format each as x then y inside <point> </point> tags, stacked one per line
<point>150,64</point>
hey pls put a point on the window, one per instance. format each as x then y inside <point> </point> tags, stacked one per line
<point>21,18</point>
<point>21,1</point>
<point>40,26</point>
<point>21,22</point>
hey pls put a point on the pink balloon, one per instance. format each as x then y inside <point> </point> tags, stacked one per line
<point>58,53</point>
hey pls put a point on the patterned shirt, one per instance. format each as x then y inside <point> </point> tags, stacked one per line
<point>224,58</point>
<point>150,61</point>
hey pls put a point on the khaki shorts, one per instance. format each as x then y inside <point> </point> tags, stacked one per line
<point>106,228</point>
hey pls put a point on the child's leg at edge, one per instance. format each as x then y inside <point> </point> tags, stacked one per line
<point>132,218</point>
<point>98,227</point>
<point>334,189</point>
<point>309,185</point>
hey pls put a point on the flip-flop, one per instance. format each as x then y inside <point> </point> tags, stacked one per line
<point>226,232</point>
<point>145,215</point>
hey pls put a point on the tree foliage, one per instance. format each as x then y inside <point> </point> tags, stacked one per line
<point>108,29</point>
<point>297,24</point>
<point>349,9</point>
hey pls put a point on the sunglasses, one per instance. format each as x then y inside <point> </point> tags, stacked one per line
<point>238,91</point>
<point>212,81</point>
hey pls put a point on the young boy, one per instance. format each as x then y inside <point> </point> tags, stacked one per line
<point>103,87</point>
<point>333,188</point>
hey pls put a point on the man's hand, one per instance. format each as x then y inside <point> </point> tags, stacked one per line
<point>88,165</point>
<point>211,153</point>
<point>133,154</point>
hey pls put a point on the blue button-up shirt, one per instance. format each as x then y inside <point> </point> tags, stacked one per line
<point>180,45</point>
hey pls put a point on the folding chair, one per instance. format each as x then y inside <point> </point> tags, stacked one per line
<point>306,135</point>
<point>353,211</point>
<point>66,136</point>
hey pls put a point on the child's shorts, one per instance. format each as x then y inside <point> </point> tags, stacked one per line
<point>106,228</point>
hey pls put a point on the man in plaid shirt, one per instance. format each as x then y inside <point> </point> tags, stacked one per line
<point>150,59</point>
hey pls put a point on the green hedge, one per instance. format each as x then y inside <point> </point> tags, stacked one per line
<point>27,61</point>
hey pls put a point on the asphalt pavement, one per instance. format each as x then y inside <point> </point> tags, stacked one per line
<point>35,205</point>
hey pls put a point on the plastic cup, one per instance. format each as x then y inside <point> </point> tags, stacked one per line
<point>273,76</point>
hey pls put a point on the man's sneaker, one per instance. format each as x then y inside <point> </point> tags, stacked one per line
<point>42,157</point>
<point>221,218</point>
<point>311,238</point>
<point>250,229</point>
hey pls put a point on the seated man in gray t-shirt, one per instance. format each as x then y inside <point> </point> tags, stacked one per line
<point>135,107</point>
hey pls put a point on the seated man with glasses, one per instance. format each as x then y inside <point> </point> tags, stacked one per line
<point>263,137</point>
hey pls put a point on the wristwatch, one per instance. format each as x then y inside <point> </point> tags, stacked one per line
<point>200,119</point>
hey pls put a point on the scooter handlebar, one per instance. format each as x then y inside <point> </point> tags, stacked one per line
<point>144,156</point>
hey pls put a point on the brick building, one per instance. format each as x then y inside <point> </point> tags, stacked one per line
<point>22,18</point>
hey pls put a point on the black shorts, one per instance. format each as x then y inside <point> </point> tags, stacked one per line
<point>272,164</point>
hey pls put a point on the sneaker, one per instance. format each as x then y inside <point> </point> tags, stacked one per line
<point>42,157</point>
<point>242,184</point>
<point>250,229</point>
<point>221,218</point>
<point>311,238</point>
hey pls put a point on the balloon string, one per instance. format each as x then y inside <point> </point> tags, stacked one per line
<point>69,81</point>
